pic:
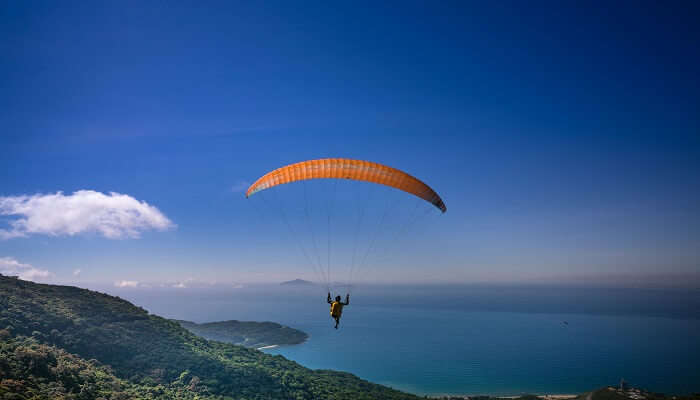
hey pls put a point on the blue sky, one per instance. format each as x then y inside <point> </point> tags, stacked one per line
<point>563,138</point>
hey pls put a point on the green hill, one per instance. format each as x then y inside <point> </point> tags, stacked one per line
<point>65,342</point>
<point>246,333</point>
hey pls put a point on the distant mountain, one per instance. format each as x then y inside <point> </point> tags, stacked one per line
<point>247,333</point>
<point>63,342</point>
<point>298,282</point>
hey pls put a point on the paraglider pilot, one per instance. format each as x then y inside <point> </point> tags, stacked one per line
<point>337,307</point>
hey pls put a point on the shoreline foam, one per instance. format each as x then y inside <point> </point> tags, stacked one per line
<point>540,396</point>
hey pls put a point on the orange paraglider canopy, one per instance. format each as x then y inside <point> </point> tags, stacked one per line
<point>343,168</point>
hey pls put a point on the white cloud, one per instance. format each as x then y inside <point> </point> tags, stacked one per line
<point>12,267</point>
<point>126,284</point>
<point>113,215</point>
<point>76,272</point>
<point>180,285</point>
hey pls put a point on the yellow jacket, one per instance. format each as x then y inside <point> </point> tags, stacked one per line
<point>336,309</point>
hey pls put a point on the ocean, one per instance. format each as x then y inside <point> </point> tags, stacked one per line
<point>452,339</point>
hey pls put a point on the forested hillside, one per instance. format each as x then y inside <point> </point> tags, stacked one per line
<point>66,342</point>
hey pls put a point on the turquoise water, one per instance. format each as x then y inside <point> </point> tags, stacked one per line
<point>466,340</point>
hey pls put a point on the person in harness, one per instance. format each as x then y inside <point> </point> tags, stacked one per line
<point>337,307</point>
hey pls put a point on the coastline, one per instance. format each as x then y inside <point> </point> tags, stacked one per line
<point>274,346</point>
<point>556,396</point>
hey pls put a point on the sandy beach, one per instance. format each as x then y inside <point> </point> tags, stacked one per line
<point>543,396</point>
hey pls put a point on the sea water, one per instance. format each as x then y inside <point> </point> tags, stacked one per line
<point>473,339</point>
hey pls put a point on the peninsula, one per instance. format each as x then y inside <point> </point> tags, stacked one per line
<point>247,333</point>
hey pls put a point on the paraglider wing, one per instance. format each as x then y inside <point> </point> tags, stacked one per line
<point>343,168</point>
